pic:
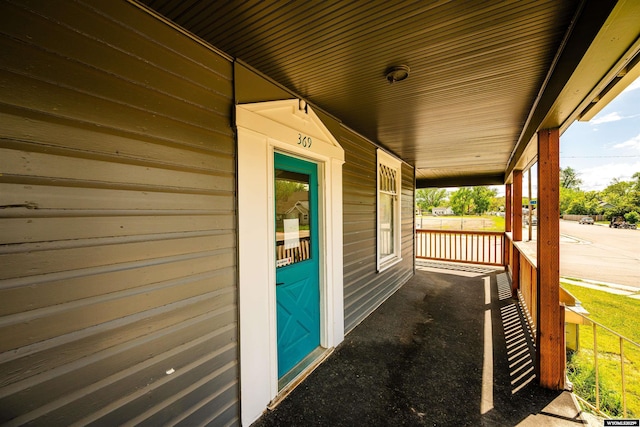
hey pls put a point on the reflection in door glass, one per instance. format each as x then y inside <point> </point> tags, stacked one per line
<point>293,217</point>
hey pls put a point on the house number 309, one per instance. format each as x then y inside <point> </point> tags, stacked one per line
<point>305,141</point>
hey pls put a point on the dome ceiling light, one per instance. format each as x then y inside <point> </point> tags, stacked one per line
<point>397,73</point>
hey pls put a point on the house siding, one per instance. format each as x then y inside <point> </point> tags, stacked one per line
<point>364,287</point>
<point>118,234</point>
<point>118,277</point>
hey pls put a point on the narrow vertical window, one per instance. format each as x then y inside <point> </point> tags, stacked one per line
<point>388,229</point>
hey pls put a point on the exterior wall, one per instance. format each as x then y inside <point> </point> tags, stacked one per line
<point>118,277</point>
<point>364,288</point>
<point>118,243</point>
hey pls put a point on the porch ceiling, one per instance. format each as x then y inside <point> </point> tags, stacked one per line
<point>485,76</point>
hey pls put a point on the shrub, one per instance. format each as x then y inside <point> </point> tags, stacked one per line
<point>632,217</point>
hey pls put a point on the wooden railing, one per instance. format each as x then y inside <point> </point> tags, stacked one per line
<point>286,256</point>
<point>524,279</point>
<point>475,247</point>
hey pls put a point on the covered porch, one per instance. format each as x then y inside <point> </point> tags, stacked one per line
<point>450,347</point>
<point>131,148</point>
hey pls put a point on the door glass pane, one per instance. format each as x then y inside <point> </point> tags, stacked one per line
<point>293,218</point>
<point>386,224</point>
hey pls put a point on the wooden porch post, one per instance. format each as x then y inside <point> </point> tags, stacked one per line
<point>550,339</point>
<point>516,224</point>
<point>516,205</point>
<point>507,223</point>
<point>507,207</point>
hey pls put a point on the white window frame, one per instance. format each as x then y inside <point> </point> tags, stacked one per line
<point>395,257</point>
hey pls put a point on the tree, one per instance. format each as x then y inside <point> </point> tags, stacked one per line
<point>623,195</point>
<point>429,198</point>
<point>569,178</point>
<point>285,188</point>
<point>497,204</point>
<point>567,195</point>
<point>482,199</point>
<point>475,200</point>
<point>462,200</point>
<point>584,203</point>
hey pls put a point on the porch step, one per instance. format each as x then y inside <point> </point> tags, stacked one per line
<point>562,411</point>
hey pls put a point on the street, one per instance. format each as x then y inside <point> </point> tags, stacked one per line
<point>600,253</point>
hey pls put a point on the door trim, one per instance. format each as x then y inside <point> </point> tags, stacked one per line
<point>263,129</point>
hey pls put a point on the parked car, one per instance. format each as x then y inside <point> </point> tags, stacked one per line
<point>534,220</point>
<point>586,220</point>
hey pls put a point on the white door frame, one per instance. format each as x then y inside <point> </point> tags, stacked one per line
<point>292,128</point>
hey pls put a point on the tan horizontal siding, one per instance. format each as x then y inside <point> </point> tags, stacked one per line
<point>57,258</point>
<point>103,340</point>
<point>30,130</point>
<point>364,288</point>
<point>34,199</point>
<point>17,164</point>
<point>23,230</point>
<point>118,292</point>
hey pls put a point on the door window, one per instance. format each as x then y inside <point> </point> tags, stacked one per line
<point>293,218</point>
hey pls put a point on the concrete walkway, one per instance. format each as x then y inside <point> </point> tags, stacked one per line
<point>450,348</point>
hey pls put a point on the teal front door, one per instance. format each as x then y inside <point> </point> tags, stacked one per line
<point>297,265</point>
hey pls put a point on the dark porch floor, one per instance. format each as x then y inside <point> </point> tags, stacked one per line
<point>422,359</point>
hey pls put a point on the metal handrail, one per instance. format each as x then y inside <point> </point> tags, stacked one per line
<point>595,356</point>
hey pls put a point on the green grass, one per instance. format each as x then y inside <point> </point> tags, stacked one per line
<point>621,314</point>
<point>498,223</point>
<point>467,222</point>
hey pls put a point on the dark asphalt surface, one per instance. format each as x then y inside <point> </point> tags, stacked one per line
<point>418,361</point>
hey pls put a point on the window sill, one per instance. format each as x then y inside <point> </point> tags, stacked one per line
<point>387,264</point>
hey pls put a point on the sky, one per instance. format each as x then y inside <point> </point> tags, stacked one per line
<point>608,146</point>
<point>604,148</point>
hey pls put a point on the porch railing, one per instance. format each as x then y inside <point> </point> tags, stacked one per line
<point>524,280</point>
<point>586,321</point>
<point>475,247</point>
<point>300,252</point>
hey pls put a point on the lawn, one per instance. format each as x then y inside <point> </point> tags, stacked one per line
<point>619,313</point>
<point>467,223</point>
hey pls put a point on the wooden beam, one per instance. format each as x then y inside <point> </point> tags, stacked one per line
<point>507,208</point>
<point>550,332</point>
<point>580,36</point>
<point>516,205</point>
<point>506,257</point>
<point>460,181</point>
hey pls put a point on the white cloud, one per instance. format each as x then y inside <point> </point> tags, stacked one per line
<point>599,177</point>
<point>611,117</point>
<point>630,143</point>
